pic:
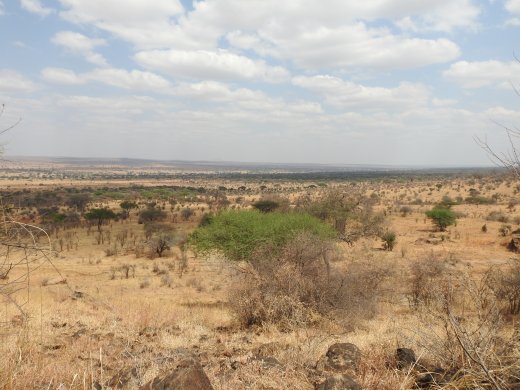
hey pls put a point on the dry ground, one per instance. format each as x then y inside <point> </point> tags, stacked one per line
<point>101,324</point>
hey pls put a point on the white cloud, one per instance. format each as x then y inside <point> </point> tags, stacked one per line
<point>513,22</point>
<point>134,79</point>
<point>443,16</point>
<point>513,6</point>
<point>212,65</point>
<point>346,94</point>
<point>82,45</point>
<point>36,7</point>
<point>19,44</point>
<point>112,106</point>
<point>443,102</point>
<point>484,73</point>
<point>140,22</point>
<point>356,46</point>
<point>2,12</point>
<point>120,11</point>
<point>242,101</point>
<point>12,81</point>
<point>120,78</point>
<point>62,76</point>
<point>298,30</point>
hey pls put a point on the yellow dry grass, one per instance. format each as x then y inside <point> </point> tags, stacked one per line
<point>100,324</point>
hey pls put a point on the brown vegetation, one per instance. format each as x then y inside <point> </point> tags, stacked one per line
<point>129,304</point>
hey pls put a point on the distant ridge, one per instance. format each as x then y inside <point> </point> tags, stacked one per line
<point>228,165</point>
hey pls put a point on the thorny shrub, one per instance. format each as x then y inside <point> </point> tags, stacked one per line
<point>299,286</point>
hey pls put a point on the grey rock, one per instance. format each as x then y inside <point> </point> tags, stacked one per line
<point>339,382</point>
<point>340,357</point>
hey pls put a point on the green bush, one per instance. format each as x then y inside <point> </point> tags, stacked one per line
<point>238,233</point>
<point>266,205</point>
<point>389,240</point>
<point>442,217</point>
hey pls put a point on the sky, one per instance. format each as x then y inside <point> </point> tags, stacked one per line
<point>396,82</point>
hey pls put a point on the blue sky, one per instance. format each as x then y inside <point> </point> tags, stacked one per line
<point>331,81</point>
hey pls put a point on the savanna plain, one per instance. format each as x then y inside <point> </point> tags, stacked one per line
<point>130,277</point>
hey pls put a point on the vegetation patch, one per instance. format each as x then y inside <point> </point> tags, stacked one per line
<point>238,233</point>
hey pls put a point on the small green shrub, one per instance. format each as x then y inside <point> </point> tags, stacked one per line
<point>389,240</point>
<point>442,217</point>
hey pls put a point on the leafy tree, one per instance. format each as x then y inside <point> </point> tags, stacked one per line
<point>100,215</point>
<point>78,201</point>
<point>239,233</point>
<point>442,217</point>
<point>127,205</point>
<point>152,214</point>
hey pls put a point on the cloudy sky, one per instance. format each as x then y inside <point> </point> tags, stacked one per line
<point>330,81</point>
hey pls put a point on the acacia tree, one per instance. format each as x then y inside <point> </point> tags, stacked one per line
<point>99,216</point>
<point>127,205</point>
<point>161,237</point>
<point>78,201</point>
<point>350,212</point>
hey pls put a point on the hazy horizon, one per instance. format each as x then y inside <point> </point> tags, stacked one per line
<point>380,82</point>
<point>90,159</point>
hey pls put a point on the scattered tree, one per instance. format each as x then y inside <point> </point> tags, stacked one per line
<point>160,238</point>
<point>78,201</point>
<point>151,214</point>
<point>127,205</point>
<point>100,216</point>
<point>442,217</point>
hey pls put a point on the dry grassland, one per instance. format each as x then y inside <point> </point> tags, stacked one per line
<point>98,319</point>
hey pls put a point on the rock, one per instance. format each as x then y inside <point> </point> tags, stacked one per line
<point>514,245</point>
<point>80,332</point>
<point>339,358</point>
<point>187,375</point>
<point>339,382</point>
<point>124,378</point>
<point>269,349</point>
<point>54,281</point>
<point>405,358</point>
<point>435,377</point>
<point>267,361</point>
<point>77,295</point>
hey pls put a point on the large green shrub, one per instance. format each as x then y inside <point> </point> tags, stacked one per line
<point>238,233</point>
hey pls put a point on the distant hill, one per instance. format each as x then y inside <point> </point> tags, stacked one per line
<point>229,166</point>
